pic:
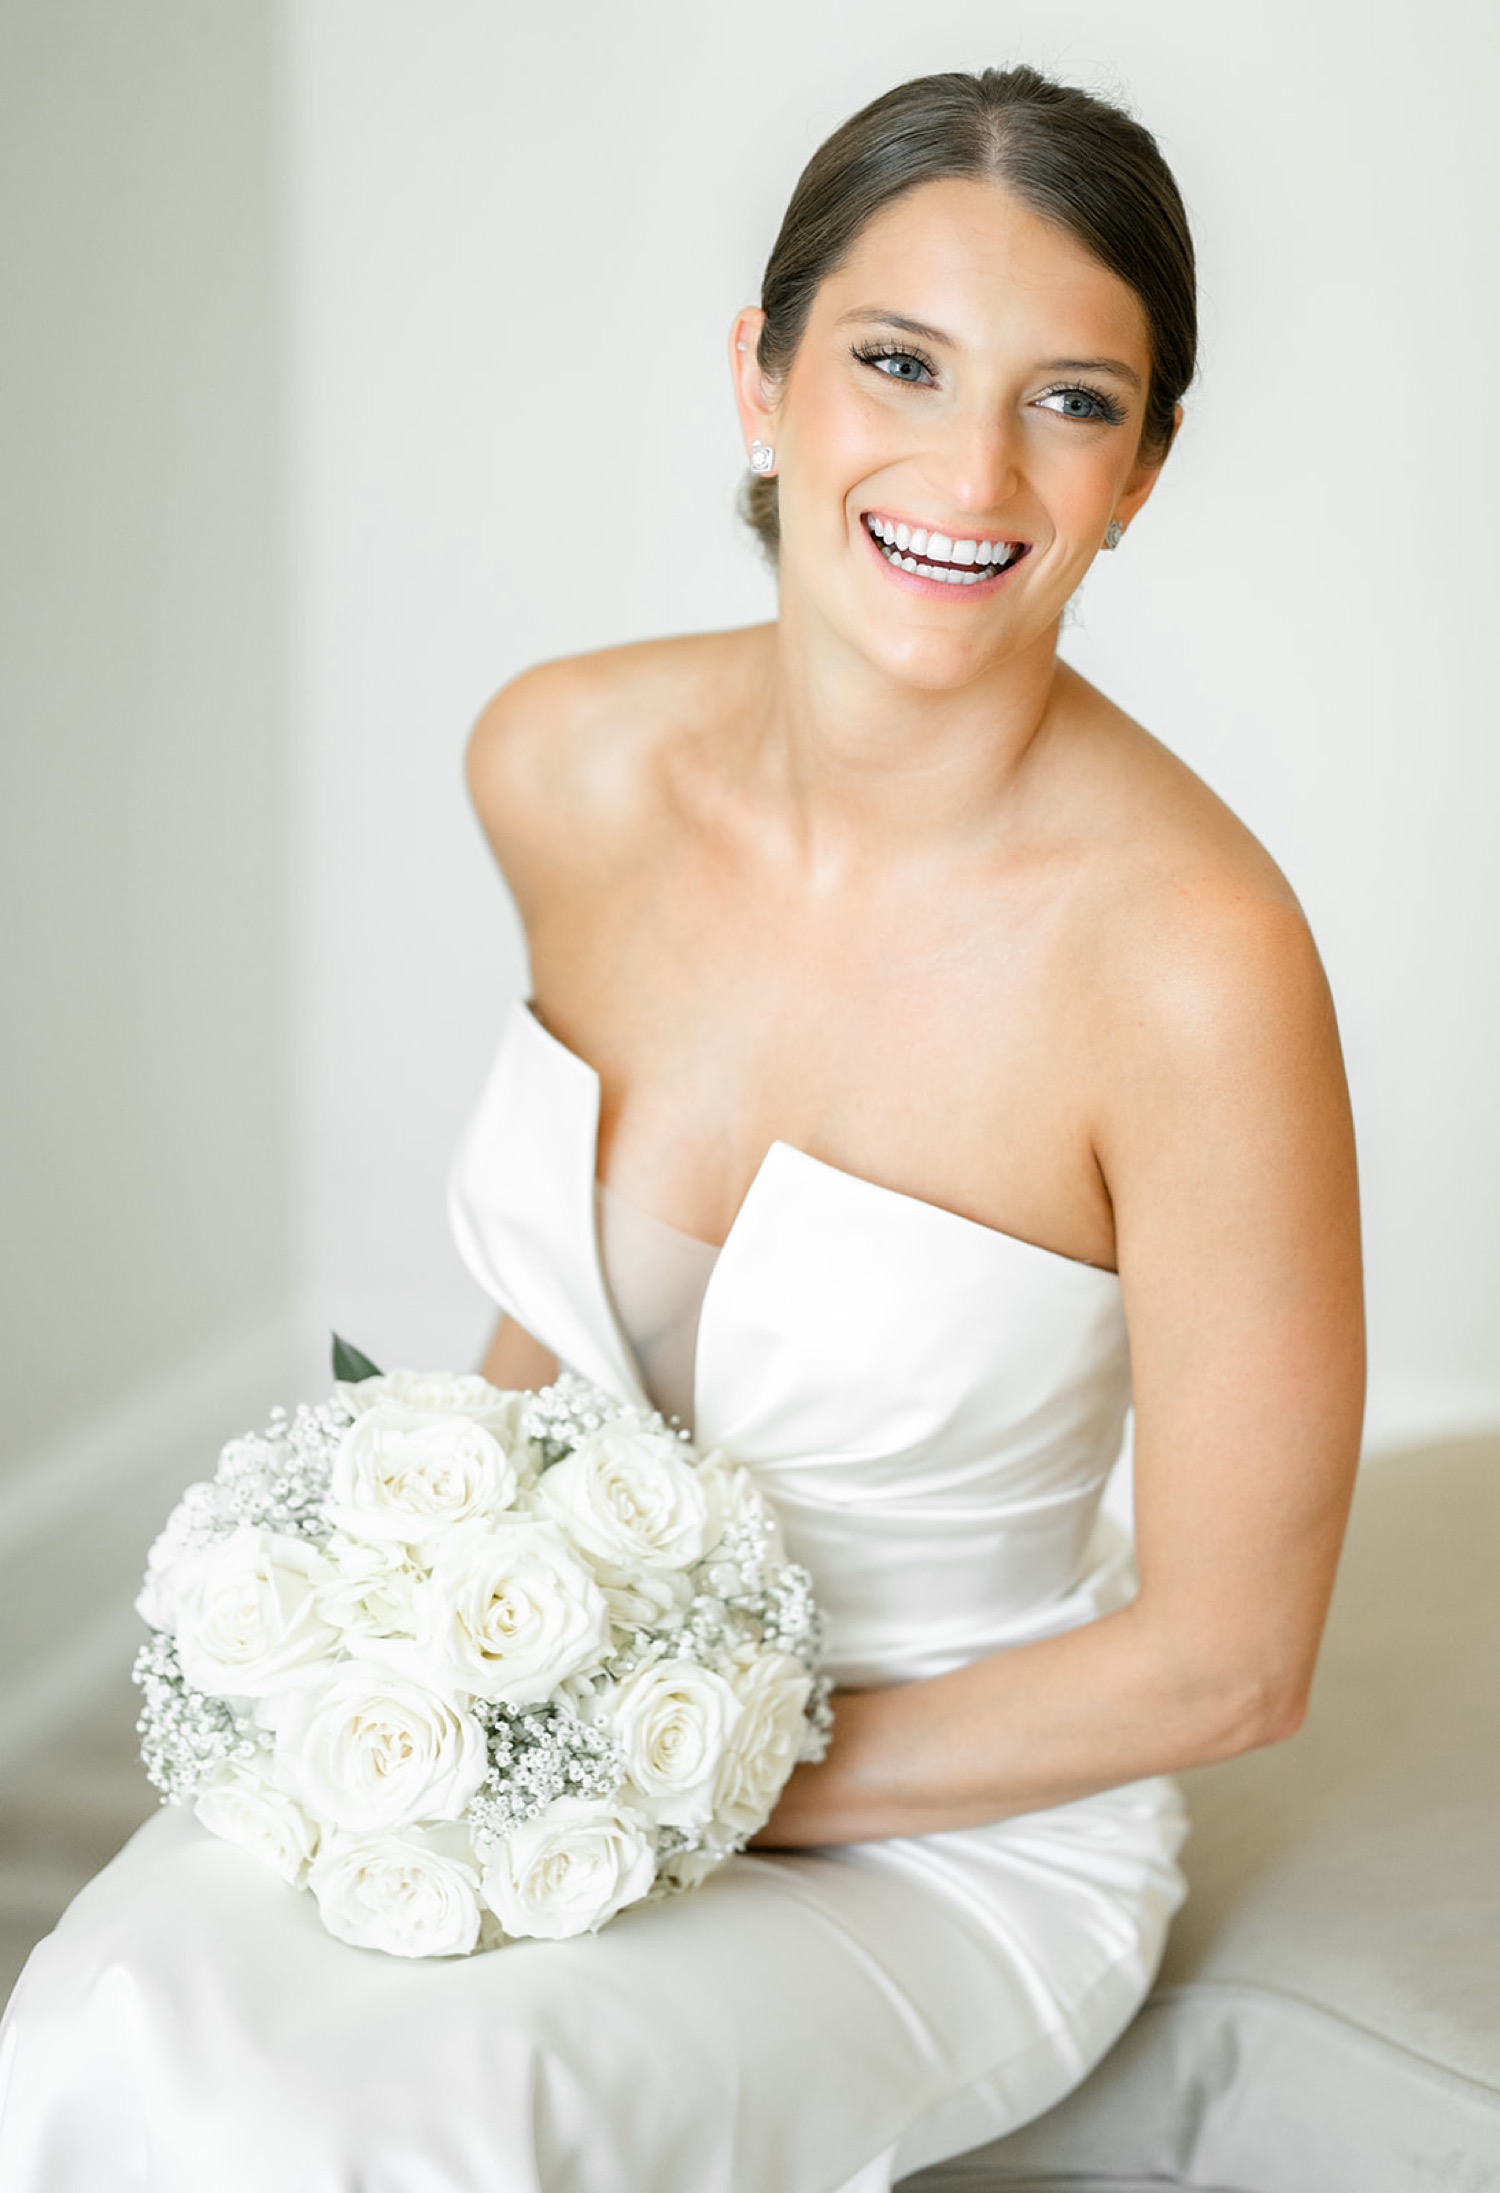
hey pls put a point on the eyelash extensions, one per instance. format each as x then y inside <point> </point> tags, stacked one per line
<point>868,353</point>
<point>1107,412</point>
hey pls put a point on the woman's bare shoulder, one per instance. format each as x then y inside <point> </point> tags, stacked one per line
<point>568,753</point>
<point>1200,956</point>
<point>1166,855</point>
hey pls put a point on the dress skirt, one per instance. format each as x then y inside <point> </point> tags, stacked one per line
<point>817,2022</point>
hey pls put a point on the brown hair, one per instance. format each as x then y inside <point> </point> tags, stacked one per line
<point>1070,157</point>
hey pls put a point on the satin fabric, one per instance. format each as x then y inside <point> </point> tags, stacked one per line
<point>934,1406</point>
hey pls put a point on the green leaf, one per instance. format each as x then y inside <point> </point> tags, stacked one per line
<point>350,1365</point>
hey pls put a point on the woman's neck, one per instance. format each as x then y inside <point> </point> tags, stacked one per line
<point>868,764</point>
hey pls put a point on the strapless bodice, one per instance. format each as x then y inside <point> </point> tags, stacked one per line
<point>934,1405</point>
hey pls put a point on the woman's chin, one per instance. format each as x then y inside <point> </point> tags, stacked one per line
<point>929,646</point>
<point>934,661</point>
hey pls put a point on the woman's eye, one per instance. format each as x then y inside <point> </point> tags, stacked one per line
<point>1082,403</point>
<point>896,365</point>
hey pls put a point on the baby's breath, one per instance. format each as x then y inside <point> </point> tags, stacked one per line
<point>536,1755</point>
<point>278,1479</point>
<point>562,1415</point>
<point>791,1620</point>
<point>187,1738</point>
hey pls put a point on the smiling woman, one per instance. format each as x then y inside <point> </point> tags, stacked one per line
<point>949,1069</point>
<point>1066,157</point>
<point>1018,394</point>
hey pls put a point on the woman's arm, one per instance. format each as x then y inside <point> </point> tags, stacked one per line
<point>1228,1151</point>
<point>514,1360</point>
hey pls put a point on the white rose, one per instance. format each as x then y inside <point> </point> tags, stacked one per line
<point>688,1869</point>
<point>568,1871</point>
<point>494,1409</point>
<point>412,1895</point>
<point>652,1599</point>
<point>192,1525</point>
<point>673,1720</point>
<point>372,1594</point>
<point>630,1500</point>
<point>370,1750</point>
<point>773,1690</point>
<point>246,1808</point>
<point>246,1612</point>
<point>404,1475</point>
<point>738,1502</point>
<point>509,1612</point>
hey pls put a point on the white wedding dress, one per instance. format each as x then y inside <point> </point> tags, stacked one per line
<point>935,1407</point>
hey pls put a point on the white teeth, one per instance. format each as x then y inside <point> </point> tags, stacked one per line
<point>965,565</point>
<point>965,555</point>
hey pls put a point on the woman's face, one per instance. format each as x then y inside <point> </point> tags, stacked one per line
<point>973,379</point>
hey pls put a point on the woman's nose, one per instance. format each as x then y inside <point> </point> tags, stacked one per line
<point>975,460</point>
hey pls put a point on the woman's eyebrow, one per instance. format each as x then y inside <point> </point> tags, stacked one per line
<point>1116,366</point>
<point>896,319</point>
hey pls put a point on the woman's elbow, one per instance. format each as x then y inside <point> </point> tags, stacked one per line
<point>1253,1707</point>
<point>1219,1697</point>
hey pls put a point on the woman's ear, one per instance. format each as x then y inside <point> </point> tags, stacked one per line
<point>754,393</point>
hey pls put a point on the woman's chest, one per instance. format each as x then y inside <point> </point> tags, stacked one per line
<point>951,1055</point>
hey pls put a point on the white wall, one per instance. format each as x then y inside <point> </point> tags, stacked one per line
<point>516,236</point>
<point>144,1199</point>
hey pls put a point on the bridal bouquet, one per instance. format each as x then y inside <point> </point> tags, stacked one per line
<point>476,1666</point>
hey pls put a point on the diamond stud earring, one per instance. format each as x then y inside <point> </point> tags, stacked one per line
<point>1114,533</point>
<point>762,457</point>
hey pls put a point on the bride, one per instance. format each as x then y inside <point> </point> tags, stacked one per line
<point>921,1063</point>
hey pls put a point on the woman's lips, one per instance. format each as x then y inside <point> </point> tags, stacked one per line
<point>938,564</point>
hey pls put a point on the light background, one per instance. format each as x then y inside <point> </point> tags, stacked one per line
<point>362,352</point>
<point>517,239</point>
